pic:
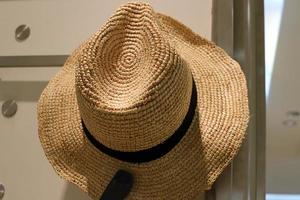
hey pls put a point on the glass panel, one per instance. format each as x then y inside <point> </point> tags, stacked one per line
<point>282,30</point>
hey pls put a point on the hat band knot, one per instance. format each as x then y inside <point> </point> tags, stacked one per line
<point>154,152</point>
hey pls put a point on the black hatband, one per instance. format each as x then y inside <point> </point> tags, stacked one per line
<point>155,152</point>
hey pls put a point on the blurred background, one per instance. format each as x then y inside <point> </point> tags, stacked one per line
<point>282,29</point>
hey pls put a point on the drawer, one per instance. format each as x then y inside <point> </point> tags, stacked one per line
<point>57,27</point>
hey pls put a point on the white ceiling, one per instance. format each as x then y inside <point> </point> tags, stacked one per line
<point>283,142</point>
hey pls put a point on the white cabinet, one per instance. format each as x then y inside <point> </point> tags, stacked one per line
<point>24,170</point>
<point>57,27</point>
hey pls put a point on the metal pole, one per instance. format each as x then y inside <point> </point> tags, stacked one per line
<point>238,27</point>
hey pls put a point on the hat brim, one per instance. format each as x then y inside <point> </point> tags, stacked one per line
<point>192,166</point>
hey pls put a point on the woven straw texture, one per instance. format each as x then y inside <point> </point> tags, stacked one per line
<point>131,84</point>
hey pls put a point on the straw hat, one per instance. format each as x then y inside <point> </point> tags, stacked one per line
<point>147,95</point>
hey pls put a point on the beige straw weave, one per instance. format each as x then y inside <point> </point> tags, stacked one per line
<point>131,83</point>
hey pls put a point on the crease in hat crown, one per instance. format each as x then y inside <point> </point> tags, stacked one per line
<point>132,87</point>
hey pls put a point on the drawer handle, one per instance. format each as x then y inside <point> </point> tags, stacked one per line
<point>2,191</point>
<point>22,33</point>
<point>9,109</point>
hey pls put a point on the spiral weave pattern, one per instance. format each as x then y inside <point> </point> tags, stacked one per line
<point>126,75</point>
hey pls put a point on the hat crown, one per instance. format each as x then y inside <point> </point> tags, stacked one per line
<point>133,89</point>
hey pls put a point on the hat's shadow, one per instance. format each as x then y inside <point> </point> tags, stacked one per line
<point>74,193</point>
